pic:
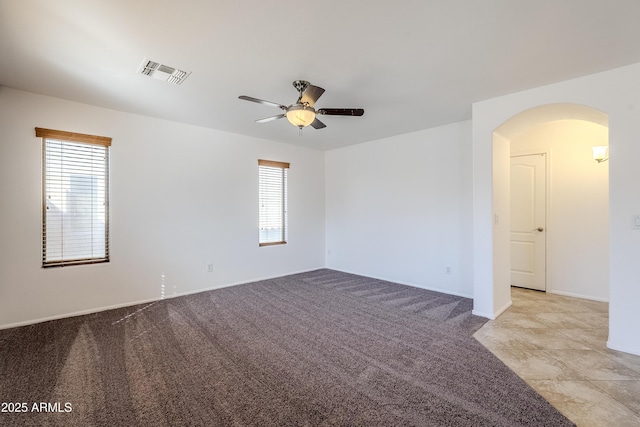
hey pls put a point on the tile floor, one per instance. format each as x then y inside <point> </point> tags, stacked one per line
<point>557,345</point>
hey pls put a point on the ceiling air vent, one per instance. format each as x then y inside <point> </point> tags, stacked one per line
<point>163,72</point>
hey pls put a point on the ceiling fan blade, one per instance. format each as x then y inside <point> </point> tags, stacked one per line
<point>317,124</point>
<point>341,111</point>
<point>311,95</point>
<point>272,118</point>
<point>262,101</point>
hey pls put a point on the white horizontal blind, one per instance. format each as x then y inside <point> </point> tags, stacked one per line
<point>75,227</point>
<point>273,216</point>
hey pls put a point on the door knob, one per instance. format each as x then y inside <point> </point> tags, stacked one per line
<point>540,229</point>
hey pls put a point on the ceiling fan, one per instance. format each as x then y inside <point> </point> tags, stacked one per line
<point>302,113</point>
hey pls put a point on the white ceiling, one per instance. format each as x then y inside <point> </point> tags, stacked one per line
<point>411,64</point>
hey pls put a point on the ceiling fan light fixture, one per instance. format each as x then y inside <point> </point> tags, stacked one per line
<point>300,115</point>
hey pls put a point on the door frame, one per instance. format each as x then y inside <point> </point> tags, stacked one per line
<point>546,152</point>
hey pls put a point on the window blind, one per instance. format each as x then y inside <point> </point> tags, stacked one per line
<point>75,208</point>
<point>273,215</point>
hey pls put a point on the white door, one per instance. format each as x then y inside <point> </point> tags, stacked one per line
<point>528,227</point>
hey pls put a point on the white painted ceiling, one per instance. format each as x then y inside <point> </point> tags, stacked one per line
<point>411,64</point>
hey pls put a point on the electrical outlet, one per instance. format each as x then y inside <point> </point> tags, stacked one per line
<point>209,268</point>
<point>448,270</point>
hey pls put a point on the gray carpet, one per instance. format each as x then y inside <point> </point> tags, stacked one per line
<point>314,349</point>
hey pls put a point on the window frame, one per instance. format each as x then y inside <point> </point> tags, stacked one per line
<point>284,166</point>
<point>65,137</point>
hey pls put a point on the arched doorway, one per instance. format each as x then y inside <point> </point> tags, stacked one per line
<point>567,228</point>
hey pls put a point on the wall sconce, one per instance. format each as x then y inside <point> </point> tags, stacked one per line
<point>600,153</point>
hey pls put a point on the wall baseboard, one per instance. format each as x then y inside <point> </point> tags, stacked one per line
<point>144,301</point>
<point>495,315</point>
<point>415,285</point>
<point>482,314</point>
<point>613,346</point>
<point>574,295</point>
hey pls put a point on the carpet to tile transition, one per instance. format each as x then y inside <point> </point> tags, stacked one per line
<point>317,348</point>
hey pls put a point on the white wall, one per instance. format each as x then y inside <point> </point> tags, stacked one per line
<point>181,197</point>
<point>616,93</point>
<point>501,222</point>
<point>400,208</point>
<point>578,211</point>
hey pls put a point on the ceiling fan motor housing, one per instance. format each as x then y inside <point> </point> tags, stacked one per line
<point>301,85</point>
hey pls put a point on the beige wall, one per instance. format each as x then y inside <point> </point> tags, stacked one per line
<point>578,206</point>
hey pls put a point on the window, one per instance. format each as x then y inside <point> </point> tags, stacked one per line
<point>75,198</point>
<point>272,182</point>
